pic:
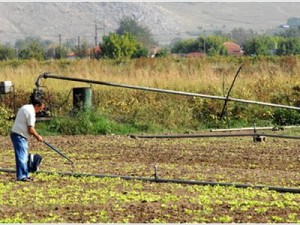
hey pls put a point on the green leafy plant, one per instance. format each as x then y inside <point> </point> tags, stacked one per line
<point>5,120</point>
<point>87,122</point>
<point>283,117</point>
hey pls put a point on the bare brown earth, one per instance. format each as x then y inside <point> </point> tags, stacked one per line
<point>275,162</point>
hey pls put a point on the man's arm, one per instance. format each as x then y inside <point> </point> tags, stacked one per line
<point>33,132</point>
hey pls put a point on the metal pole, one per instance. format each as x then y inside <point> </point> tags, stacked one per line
<point>193,135</point>
<point>46,75</point>
<point>252,128</point>
<point>213,136</point>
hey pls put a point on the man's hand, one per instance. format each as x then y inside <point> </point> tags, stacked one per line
<point>32,131</point>
<point>39,138</point>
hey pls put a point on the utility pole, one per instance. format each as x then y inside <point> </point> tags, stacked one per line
<point>99,28</point>
<point>204,42</point>
<point>59,39</point>
<point>1,32</point>
<point>96,37</point>
<point>78,45</point>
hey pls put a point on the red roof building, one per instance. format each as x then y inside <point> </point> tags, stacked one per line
<point>233,48</point>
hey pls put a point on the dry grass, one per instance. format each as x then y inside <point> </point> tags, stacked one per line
<point>260,79</point>
<point>273,80</point>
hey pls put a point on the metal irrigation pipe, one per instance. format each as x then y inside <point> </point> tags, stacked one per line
<point>252,128</point>
<point>213,135</point>
<point>160,180</point>
<point>280,136</point>
<point>47,75</point>
<point>193,135</point>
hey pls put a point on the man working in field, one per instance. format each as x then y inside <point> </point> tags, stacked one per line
<point>21,131</point>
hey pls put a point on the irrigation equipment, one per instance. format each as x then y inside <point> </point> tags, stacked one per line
<point>226,100</point>
<point>254,135</point>
<point>161,180</point>
<point>251,128</point>
<point>52,76</point>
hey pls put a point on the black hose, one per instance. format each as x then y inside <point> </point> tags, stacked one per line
<point>160,180</point>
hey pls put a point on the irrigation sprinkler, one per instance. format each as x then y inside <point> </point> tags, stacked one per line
<point>48,75</point>
<point>254,135</point>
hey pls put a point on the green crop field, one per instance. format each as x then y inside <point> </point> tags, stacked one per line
<point>58,198</point>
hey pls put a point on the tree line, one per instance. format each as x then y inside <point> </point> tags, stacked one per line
<point>132,40</point>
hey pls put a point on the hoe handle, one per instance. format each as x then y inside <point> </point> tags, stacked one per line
<point>57,151</point>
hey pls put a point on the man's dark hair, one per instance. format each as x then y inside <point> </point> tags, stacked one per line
<point>36,101</point>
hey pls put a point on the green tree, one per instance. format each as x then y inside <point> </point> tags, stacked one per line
<point>120,47</point>
<point>7,52</point>
<point>288,46</point>
<point>261,45</point>
<point>185,46</point>
<point>60,52</point>
<point>141,33</point>
<point>30,48</point>
<point>212,45</point>
<point>162,53</point>
<point>141,51</point>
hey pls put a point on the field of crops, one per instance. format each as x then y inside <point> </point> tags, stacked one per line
<point>239,160</point>
<point>126,188</point>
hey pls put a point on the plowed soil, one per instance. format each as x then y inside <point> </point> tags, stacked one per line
<point>239,160</point>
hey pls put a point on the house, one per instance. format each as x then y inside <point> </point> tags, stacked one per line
<point>233,48</point>
<point>95,50</point>
<point>71,55</point>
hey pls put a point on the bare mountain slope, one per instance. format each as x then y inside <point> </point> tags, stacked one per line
<point>249,15</point>
<point>167,21</point>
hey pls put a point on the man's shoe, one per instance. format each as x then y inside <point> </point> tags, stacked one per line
<point>27,179</point>
<point>30,178</point>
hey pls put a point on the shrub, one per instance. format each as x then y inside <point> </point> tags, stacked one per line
<point>87,122</point>
<point>5,122</point>
<point>284,117</point>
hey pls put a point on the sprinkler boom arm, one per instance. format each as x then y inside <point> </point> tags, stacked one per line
<point>48,75</point>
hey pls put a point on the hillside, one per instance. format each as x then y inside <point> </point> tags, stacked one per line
<point>166,21</point>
